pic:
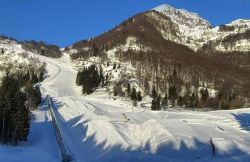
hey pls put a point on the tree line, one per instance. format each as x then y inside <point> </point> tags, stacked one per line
<point>90,78</point>
<point>18,97</point>
<point>123,88</point>
<point>178,94</point>
<point>42,48</point>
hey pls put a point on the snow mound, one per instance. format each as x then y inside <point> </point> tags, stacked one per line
<point>151,132</point>
<point>104,132</point>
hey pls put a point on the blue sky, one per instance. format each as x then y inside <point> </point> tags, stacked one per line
<point>63,22</point>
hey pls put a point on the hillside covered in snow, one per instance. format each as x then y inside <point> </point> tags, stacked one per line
<point>162,86</point>
<point>98,128</point>
<point>173,50</point>
<point>14,59</point>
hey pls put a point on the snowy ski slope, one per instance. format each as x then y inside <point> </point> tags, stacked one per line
<point>96,130</point>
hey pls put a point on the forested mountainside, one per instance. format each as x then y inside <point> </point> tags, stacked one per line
<point>42,48</point>
<point>38,47</point>
<point>181,67</point>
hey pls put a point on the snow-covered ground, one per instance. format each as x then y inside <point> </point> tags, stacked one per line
<point>41,145</point>
<point>15,58</point>
<point>100,129</point>
<point>97,129</point>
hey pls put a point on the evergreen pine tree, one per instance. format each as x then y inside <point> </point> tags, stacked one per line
<point>89,78</point>
<point>175,78</point>
<point>133,94</point>
<point>156,104</point>
<point>154,93</point>
<point>128,89</point>
<point>153,105</point>
<point>180,101</point>
<point>165,100</point>
<point>114,66</point>
<point>37,96</point>
<point>101,78</point>
<point>204,95</point>
<point>107,79</point>
<point>172,93</point>
<point>41,76</point>
<point>115,92</point>
<point>139,97</point>
<point>13,119</point>
<point>193,101</point>
<point>34,78</point>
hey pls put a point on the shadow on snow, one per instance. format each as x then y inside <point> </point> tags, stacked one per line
<point>90,150</point>
<point>244,120</point>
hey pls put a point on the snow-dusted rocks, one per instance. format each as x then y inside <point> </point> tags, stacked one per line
<point>194,31</point>
<point>183,17</point>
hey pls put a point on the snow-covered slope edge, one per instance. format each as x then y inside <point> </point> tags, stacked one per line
<point>41,145</point>
<point>15,59</point>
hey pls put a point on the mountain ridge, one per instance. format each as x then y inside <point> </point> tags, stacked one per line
<point>197,32</point>
<point>154,47</point>
<point>150,48</point>
<point>172,12</point>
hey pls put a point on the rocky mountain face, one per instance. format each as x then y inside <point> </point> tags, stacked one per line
<point>197,33</point>
<point>167,47</point>
<point>189,29</point>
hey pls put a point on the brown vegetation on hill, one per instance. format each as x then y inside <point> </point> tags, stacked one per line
<point>167,64</point>
<point>42,48</point>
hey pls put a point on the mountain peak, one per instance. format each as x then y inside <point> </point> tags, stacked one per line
<point>164,7</point>
<point>181,16</point>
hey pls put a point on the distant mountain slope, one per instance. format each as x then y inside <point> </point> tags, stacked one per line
<point>164,41</point>
<point>37,47</point>
<point>14,59</point>
<point>196,32</point>
<point>42,48</point>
